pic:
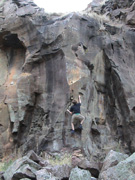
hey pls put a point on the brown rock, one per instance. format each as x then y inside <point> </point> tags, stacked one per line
<point>75,161</point>
<point>92,166</point>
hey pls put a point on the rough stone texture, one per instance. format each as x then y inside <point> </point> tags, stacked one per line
<point>131,18</point>
<point>112,159</point>
<point>46,61</point>
<point>22,168</point>
<point>117,9</point>
<point>80,161</point>
<point>122,171</point>
<point>28,167</point>
<point>79,174</point>
<point>93,178</point>
<point>43,174</point>
<point>59,171</point>
<point>34,167</point>
<point>93,167</point>
<point>34,157</point>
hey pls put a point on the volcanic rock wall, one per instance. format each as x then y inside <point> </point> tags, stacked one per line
<point>46,61</point>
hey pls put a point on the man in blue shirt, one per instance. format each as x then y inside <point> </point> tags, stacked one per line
<point>76,114</point>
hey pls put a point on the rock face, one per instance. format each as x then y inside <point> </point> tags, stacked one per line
<point>46,61</point>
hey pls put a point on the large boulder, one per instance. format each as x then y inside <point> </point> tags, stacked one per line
<point>82,162</point>
<point>34,157</point>
<point>43,175</point>
<point>59,171</point>
<point>92,166</point>
<point>130,20</point>
<point>123,170</point>
<point>112,159</point>
<point>22,168</point>
<point>79,174</point>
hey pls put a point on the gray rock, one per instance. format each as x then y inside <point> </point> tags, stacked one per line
<point>34,157</point>
<point>123,170</point>
<point>79,174</point>
<point>92,166</point>
<point>130,20</point>
<point>112,159</point>
<point>93,178</point>
<point>22,168</point>
<point>26,10</point>
<point>43,175</point>
<point>59,171</point>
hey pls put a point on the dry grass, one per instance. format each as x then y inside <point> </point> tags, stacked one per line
<point>8,160</point>
<point>61,160</point>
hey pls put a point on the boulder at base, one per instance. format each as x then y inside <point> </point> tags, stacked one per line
<point>124,170</point>
<point>22,168</point>
<point>79,174</point>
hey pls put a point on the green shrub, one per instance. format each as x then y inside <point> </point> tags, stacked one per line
<point>4,165</point>
<point>2,2</point>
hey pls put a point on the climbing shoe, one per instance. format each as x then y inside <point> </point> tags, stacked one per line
<point>80,127</point>
<point>72,131</point>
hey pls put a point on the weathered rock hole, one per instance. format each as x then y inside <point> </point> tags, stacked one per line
<point>85,48</point>
<point>95,132</point>
<point>76,54</point>
<point>17,3</point>
<point>133,108</point>
<point>75,47</point>
<point>94,172</point>
<point>11,40</point>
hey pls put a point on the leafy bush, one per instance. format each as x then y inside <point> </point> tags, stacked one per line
<point>2,2</point>
<point>4,165</point>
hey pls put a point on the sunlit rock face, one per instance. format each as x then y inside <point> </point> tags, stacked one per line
<point>46,62</point>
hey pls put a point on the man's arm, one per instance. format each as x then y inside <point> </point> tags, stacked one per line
<point>79,98</point>
<point>69,111</point>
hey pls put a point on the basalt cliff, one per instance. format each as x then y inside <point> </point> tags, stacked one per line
<point>48,60</point>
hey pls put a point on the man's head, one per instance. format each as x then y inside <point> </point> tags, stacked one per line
<point>74,101</point>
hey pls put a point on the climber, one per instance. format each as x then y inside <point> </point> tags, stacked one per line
<point>76,114</point>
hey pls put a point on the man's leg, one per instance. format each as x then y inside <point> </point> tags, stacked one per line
<point>81,118</point>
<point>72,123</point>
<point>82,121</point>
